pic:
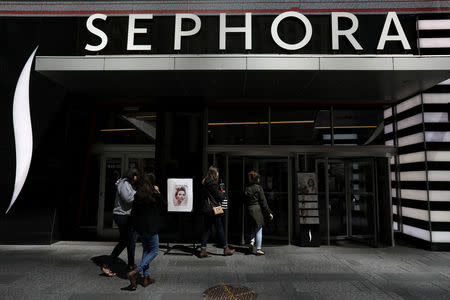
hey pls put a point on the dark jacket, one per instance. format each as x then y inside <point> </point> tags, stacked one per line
<point>256,204</point>
<point>212,189</point>
<point>146,214</point>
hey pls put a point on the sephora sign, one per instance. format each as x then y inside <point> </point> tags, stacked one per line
<point>392,31</point>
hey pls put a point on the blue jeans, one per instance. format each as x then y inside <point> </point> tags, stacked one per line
<point>217,220</point>
<point>150,245</point>
<point>127,239</point>
<point>256,234</point>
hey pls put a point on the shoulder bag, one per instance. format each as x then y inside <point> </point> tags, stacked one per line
<point>216,209</point>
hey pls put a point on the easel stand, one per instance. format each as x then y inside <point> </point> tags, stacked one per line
<point>184,249</point>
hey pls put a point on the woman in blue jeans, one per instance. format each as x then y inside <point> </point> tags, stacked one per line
<point>148,206</point>
<point>258,209</point>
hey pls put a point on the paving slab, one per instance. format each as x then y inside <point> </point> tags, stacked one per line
<point>69,270</point>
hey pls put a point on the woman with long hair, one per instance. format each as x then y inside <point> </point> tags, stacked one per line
<point>257,208</point>
<point>148,205</point>
<point>212,193</point>
<point>121,216</point>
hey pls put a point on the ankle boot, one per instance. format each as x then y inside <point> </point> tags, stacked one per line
<point>203,253</point>
<point>228,251</point>
<point>133,276</point>
<point>147,281</point>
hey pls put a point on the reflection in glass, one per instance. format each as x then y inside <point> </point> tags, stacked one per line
<point>113,173</point>
<point>238,126</point>
<point>354,127</point>
<point>294,126</point>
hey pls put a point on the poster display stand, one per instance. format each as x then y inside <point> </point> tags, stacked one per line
<point>180,199</point>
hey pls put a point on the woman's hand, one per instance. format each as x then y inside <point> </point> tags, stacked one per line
<point>270,217</point>
<point>156,188</point>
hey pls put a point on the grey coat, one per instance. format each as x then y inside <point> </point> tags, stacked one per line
<point>256,204</point>
<point>124,197</point>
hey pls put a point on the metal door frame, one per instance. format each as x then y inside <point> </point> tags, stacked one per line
<point>348,203</point>
<point>374,207</point>
<point>290,152</point>
<point>124,152</point>
<point>243,158</point>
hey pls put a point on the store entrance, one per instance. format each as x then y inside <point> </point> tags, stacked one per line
<point>114,162</point>
<point>351,200</point>
<point>275,180</point>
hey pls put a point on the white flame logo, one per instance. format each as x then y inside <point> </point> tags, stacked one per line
<point>23,133</point>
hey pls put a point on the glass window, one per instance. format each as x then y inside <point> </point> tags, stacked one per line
<point>296,126</point>
<point>124,126</point>
<point>354,127</point>
<point>238,126</point>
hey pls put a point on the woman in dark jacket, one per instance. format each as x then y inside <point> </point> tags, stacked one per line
<point>212,193</point>
<point>147,207</point>
<point>257,209</point>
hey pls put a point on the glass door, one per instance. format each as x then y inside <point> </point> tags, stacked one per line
<point>112,167</point>
<point>362,201</point>
<point>350,198</point>
<point>274,180</point>
<point>338,217</point>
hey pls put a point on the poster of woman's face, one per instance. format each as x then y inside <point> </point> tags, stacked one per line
<point>307,183</point>
<point>179,196</point>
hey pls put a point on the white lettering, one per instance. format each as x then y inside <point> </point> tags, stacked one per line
<point>179,33</point>
<point>247,30</point>
<point>90,26</point>
<point>132,30</point>
<point>293,14</point>
<point>392,16</point>
<point>348,33</point>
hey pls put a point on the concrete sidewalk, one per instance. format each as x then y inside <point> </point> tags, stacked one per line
<point>66,270</point>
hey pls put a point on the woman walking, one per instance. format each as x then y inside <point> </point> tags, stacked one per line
<point>257,209</point>
<point>212,194</point>
<point>121,216</point>
<point>148,205</point>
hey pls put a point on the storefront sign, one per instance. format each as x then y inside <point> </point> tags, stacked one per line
<point>344,26</point>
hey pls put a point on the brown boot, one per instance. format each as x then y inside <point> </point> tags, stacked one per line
<point>147,281</point>
<point>228,251</point>
<point>133,276</point>
<point>203,253</point>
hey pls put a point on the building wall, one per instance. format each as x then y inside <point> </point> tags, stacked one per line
<point>419,128</point>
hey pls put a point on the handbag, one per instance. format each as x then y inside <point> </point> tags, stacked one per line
<point>217,210</point>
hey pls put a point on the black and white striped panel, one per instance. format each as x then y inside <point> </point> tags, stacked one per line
<point>434,36</point>
<point>437,138</point>
<point>421,170</point>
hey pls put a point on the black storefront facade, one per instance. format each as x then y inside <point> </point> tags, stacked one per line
<point>351,100</point>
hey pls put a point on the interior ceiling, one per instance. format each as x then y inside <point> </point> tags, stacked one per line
<point>250,86</point>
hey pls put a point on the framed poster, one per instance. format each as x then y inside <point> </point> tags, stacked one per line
<point>306,183</point>
<point>179,195</point>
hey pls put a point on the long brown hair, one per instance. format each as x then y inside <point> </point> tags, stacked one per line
<point>147,187</point>
<point>213,173</point>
